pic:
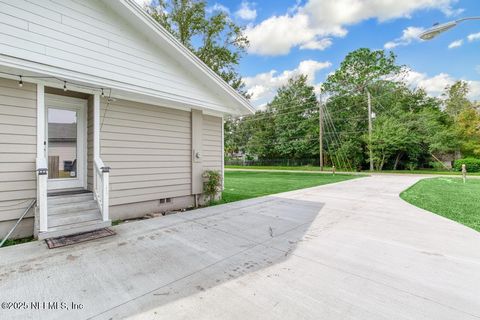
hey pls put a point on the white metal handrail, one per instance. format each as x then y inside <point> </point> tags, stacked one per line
<point>42,176</point>
<point>18,222</point>
<point>101,187</point>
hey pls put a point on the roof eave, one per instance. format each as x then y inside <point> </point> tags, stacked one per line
<point>240,101</point>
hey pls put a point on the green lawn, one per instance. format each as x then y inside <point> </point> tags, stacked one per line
<point>429,171</point>
<point>328,169</point>
<point>240,185</point>
<point>448,197</point>
<point>299,168</point>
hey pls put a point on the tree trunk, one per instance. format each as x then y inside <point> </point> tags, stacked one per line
<point>399,156</point>
<point>382,162</point>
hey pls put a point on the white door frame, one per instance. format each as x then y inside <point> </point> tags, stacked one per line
<point>80,106</point>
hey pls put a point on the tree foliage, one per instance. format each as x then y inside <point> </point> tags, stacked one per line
<point>214,38</point>
<point>466,118</point>
<point>362,69</point>
<point>410,128</point>
<point>456,98</point>
<point>468,131</point>
<point>286,129</point>
<point>390,136</point>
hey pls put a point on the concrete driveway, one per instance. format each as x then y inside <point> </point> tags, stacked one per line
<point>351,250</point>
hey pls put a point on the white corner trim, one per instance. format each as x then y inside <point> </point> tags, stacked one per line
<point>223,154</point>
<point>96,126</point>
<point>40,121</point>
<point>41,162</point>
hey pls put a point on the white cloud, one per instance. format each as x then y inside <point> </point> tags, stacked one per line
<point>246,11</point>
<point>320,44</point>
<point>320,19</point>
<point>263,86</point>
<point>473,37</point>
<point>435,86</point>
<point>278,34</point>
<point>217,7</point>
<point>347,12</point>
<point>455,44</point>
<point>409,35</point>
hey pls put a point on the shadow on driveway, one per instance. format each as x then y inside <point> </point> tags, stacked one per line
<point>154,262</point>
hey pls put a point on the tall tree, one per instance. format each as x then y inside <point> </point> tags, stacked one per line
<point>363,69</point>
<point>296,119</point>
<point>390,135</point>
<point>288,128</point>
<point>456,98</point>
<point>214,38</point>
<point>468,129</point>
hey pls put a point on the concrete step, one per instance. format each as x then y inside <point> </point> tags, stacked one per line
<point>74,229</point>
<point>54,200</point>
<point>73,218</point>
<point>54,209</point>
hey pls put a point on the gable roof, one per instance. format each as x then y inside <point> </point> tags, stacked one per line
<point>153,30</point>
<point>112,44</point>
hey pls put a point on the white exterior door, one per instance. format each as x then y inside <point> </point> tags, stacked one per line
<point>66,136</point>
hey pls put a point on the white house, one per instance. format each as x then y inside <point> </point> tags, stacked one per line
<point>103,115</point>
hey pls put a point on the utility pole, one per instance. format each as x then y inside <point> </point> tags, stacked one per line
<point>370,129</point>
<point>320,131</point>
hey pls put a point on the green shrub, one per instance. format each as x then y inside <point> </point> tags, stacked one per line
<point>212,184</point>
<point>411,166</point>
<point>437,166</point>
<point>472,164</point>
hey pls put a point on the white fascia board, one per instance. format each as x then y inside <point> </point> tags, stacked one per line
<point>176,49</point>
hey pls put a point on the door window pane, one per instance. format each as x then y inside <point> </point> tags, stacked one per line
<point>62,143</point>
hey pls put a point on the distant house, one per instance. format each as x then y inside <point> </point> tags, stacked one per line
<point>62,147</point>
<point>447,160</point>
<point>103,115</point>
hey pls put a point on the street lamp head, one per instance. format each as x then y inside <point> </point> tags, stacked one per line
<point>436,30</point>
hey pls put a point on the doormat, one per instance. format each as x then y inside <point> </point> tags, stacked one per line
<point>59,242</point>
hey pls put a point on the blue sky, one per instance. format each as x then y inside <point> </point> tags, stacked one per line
<point>371,24</point>
<point>313,37</point>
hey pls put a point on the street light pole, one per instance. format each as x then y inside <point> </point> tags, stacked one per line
<point>369,100</point>
<point>320,130</point>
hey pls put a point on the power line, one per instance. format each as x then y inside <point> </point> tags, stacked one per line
<point>396,89</point>
<point>270,114</point>
<point>275,115</point>
<point>293,103</point>
<point>337,138</point>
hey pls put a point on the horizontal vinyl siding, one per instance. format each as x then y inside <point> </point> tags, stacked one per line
<point>88,37</point>
<point>212,143</point>
<point>148,150</point>
<point>17,147</point>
